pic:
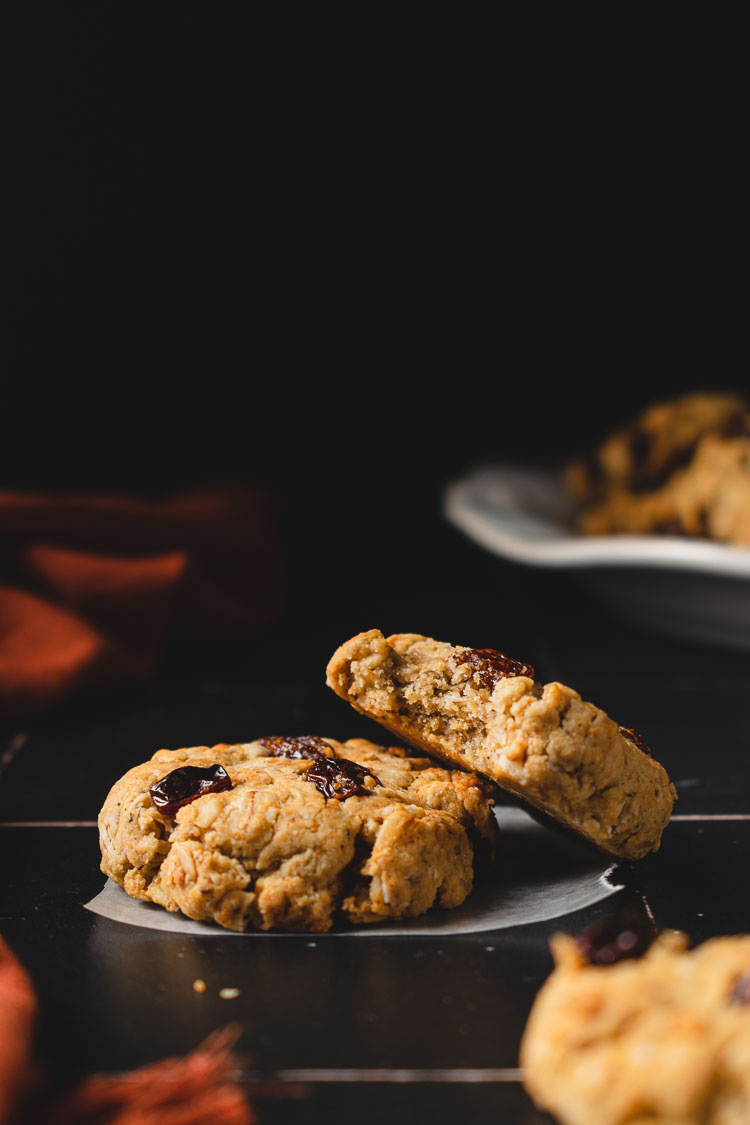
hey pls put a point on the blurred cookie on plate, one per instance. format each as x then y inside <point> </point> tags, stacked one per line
<point>679,468</point>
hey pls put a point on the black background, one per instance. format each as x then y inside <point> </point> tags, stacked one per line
<point>347,270</point>
<point>348,260</point>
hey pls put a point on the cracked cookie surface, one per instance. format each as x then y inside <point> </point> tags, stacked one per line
<point>665,1038</point>
<point>273,852</point>
<point>541,742</point>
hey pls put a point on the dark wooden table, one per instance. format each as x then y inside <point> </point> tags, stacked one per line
<point>383,1027</point>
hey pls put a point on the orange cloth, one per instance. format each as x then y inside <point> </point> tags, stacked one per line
<point>17,1017</point>
<point>196,1090</point>
<point>90,586</point>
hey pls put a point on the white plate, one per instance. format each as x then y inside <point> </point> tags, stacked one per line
<point>685,586</point>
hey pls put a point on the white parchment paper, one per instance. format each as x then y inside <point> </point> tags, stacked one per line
<point>536,876</point>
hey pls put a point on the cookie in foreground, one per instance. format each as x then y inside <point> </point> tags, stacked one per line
<point>294,833</point>
<point>660,1037</point>
<point>483,711</point>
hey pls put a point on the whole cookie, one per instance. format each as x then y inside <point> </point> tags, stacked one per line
<point>663,1038</point>
<point>288,833</point>
<point>483,711</point>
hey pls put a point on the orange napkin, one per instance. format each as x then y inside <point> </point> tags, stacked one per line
<point>196,1090</point>
<point>17,1016</point>
<point>90,586</point>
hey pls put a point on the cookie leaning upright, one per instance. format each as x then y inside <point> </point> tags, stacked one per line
<point>482,711</point>
<point>291,833</point>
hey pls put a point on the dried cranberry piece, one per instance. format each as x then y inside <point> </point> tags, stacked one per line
<point>304,746</point>
<point>339,778</point>
<point>736,425</point>
<point>594,468</point>
<point>493,665</point>
<point>627,934</point>
<point>673,527</point>
<point>704,528</point>
<point>332,776</point>
<point>185,784</point>
<point>636,737</point>
<point>641,445</point>
<point>741,990</point>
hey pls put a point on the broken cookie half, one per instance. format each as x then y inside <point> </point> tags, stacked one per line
<point>541,742</point>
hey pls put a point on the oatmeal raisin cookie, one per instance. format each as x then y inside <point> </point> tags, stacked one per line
<point>294,833</point>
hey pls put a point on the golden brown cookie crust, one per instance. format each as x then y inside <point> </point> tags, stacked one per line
<point>659,1039</point>
<point>542,743</point>
<point>275,853</point>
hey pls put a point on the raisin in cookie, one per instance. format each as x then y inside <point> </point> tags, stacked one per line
<point>288,833</point>
<point>480,710</point>
<point>664,1037</point>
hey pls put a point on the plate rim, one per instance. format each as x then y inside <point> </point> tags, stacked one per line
<point>467,508</point>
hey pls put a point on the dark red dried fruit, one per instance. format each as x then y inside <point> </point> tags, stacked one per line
<point>704,528</point>
<point>741,990</point>
<point>641,444</point>
<point>736,425</point>
<point>594,469</point>
<point>627,934</point>
<point>339,778</point>
<point>304,746</point>
<point>636,737</point>
<point>492,665</point>
<point>332,776</point>
<point>671,527</point>
<point>187,783</point>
